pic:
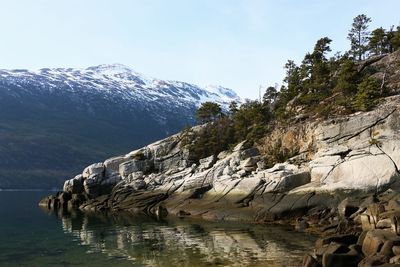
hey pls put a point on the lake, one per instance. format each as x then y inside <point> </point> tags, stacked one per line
<point>30,236</point>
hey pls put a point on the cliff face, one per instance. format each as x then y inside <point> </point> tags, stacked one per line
<point>358,152</point>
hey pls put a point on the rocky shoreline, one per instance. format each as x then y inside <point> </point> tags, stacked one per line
<point>342,181</point>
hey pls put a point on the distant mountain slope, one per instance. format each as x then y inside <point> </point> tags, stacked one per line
<point>53,122</point>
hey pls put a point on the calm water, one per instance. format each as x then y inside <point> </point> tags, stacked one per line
<point>31,237</point>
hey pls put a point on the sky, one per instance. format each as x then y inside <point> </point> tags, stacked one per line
<point>239,44</point>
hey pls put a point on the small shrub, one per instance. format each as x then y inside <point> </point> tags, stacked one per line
<point>375,142</point>
<point>139,156</point>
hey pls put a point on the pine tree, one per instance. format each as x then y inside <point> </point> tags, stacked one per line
<point>367,94</point>
<point>378,42</point>
<point>270,96</point>
<point>208,111</point>
<point>358,36</point>
<point>292,79</point>
<point>348,78</point>
<point>233,107</point>
<point>394,39</point>
<point>320,73</point>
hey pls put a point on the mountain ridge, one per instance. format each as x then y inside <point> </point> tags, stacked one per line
<point>105,77</point>
<point>54,121</point>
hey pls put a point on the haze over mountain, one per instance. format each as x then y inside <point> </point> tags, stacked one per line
<point>53,122</point>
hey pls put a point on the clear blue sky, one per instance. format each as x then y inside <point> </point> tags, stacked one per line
<point>239,44</point>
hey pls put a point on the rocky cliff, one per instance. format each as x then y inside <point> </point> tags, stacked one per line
<point>357,152</point>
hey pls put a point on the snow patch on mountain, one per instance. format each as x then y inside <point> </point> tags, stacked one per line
<point>117,81</point>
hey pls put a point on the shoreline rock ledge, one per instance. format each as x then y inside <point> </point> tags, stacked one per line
<point>342,183</point>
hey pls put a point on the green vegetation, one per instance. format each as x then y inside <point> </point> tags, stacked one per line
<point>208,112</point>
<point>139,156</point>
<point>358,36</point>
<point>319,87</point>
<point>367,94</point>
<point>249,122</point>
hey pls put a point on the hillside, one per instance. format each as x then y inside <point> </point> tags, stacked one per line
<point>54,122</point>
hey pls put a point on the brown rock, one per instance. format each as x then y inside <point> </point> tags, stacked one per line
<point>361,238</point>
<point>374,260</point>
<point>375,239</point>
<point>340,260</point>
<point>387,248</point>
<point>331,248</point>
<point>396,250</point>
<point>384,223</point>
<point>395,259</point>
<point>309,261</point>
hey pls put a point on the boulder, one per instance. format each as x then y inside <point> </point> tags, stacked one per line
<point>249,164</point>
<point>223,155</point>
<point>96,168</point>
<point>321,167</point>
<point>310,261</point>
<point>132,166</point>
<point>92,184</point>
<point>174,161</point>
<point>111,180</point>
<point>241,146</point>
<point>384,223</point>
<point>163,148</point>
<point>348,207</point>
<point>395,260</point>
<point>349,259</point>
<point>138,184</point>
<point>396,250</point>
<point>290,181</point>
<point>367,173</point>
<point>249,153</point>
<point>135,176</point>
<point>243,189</point>
<point>261,165</point>
<point>376,260</point>
<point>207,163</point>
<point>283,180</point>
<point>75,185</point>
<point>222,186</point>
<point>112,164</point>
<point>282,167</point>
<point>375,239</point>
<point>227,170</point>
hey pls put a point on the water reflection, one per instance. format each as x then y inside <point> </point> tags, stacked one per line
<point>182,242</point>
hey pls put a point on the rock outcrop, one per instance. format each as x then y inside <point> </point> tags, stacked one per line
<point>357,152</point>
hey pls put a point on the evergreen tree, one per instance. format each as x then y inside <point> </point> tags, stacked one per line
<point>315,74</point>
<point>320,73</point>
<point>378,41</point>
<point>367,94</point>
<point>251,120</point>
<point>233,107</point>
<point>292,79</point>
<point>208,111</point>
<point>270,96</point>
<point>394,39</point>
<point>320,49</point>
<point>348,78</point>
<point>358,36</point>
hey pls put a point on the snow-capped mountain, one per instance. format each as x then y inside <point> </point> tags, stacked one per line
<point>52,119</point>
<point>116,82</point>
